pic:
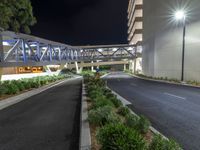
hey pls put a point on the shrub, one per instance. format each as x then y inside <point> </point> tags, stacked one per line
<point>119,137</point>
<point>131,121</point>
<point>94,94</point>
<point>143,125</point>
<point>11,89</point>
<point>123,111</point>
<point>34,83</point>
<point>19,84</point>
<point>160,143</point>
<point>101,102</point>
<point>2,89</point>
<point>116,102</point>
<point>26,84</point>
<point>102,116</point>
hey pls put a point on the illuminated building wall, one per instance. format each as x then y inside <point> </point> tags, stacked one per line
<point>135,24</point>
<point>162,39</point>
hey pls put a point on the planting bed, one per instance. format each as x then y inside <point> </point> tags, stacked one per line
<point>14,87</point>
<point>112,125</point>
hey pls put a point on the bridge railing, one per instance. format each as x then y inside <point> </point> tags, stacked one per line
<point>18,49</point>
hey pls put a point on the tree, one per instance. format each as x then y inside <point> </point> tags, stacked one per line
<point>16,15</point>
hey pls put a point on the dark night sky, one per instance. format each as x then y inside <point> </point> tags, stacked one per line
<point>81,22</point>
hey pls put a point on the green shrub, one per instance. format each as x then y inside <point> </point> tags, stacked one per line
<point>11,89</point>
<point>131,121</point>
<point>26,84</point>
<point>123,111</point>
<point>19,84</point>
<point>34,83</point>
<point>160,143</point>
<point>101,102</point>
<point>102,116</point>
<point>143,125</point>
<point>2,89</point>
<point>119,137</point>
<point>94,94</point>
<point>115,101</point>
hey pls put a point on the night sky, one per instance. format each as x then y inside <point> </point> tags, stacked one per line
<point>81,22</point>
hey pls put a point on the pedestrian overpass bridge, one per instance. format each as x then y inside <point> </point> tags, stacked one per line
<point>18,49</point>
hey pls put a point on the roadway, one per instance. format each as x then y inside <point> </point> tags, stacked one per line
<point>173,109</point>
<point>47,121</point>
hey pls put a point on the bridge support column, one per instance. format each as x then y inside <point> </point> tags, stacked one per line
<point>98,65</point>
<point>77,69</point>
<point>131,66</point>
<point>81,67</point>
<point>48,70</point>
<point>60,68</point>
<point>124,67</point>
<point>92,68</point>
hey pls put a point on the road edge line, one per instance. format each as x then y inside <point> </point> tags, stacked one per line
<point>18,98</point>
<point>85,136</point>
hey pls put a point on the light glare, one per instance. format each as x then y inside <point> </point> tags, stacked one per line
<point>180,15</point>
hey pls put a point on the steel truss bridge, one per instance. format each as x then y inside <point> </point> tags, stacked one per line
<point>25,50</point>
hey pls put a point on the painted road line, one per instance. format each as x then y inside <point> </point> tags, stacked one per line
<point>133,84</point>
<point>184,98</point>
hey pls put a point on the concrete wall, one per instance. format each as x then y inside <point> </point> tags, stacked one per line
<point>162,51</point>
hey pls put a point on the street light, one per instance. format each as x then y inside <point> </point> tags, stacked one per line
<point>181,16</point>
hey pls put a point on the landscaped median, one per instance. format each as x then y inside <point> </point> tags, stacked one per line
<point>114,127</point>
<point>13,87</point>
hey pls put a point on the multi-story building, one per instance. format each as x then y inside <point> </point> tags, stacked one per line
<point>135,24</point>
<point>163,39</point>
<point>153,23</point>
<point>135,30</point>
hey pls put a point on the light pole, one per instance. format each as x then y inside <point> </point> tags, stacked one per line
<point>180,16</point>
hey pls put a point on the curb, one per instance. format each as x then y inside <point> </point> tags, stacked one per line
<point>160,81</point>
<point>105,75</point>
<point>16,99</point>
<point>126,103</point>
<point>85,137</point>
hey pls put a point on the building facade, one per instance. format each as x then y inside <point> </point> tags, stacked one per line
<point>162,38</point>
<point>135,24</point>
<point>135,31</point>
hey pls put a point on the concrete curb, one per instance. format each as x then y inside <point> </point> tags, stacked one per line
<point>85,137</point>
<point>105,75</point>
<point>16,99</point>
<point>160,81</point>
<point>126,103</point>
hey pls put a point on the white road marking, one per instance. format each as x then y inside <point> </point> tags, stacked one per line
<point>184,98</point>
<point>133,84</point>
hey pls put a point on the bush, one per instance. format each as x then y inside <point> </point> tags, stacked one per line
<point>143,125</point>
<point>131,121</point>
<point>102,116</point>
<point>11,89</point>
<point>2,89</point>
<point>101,102</point>
<point>123,111</point>
<point>160,143</point>
<point>26,84</point>
<point>19,84</point>
<point>116,102</point>
<point>119,137</point>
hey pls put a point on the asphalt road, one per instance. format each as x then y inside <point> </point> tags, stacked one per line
<point>47,121</point>
<point>174,110</point>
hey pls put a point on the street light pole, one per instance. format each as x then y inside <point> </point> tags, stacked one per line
<point>183,51</point>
